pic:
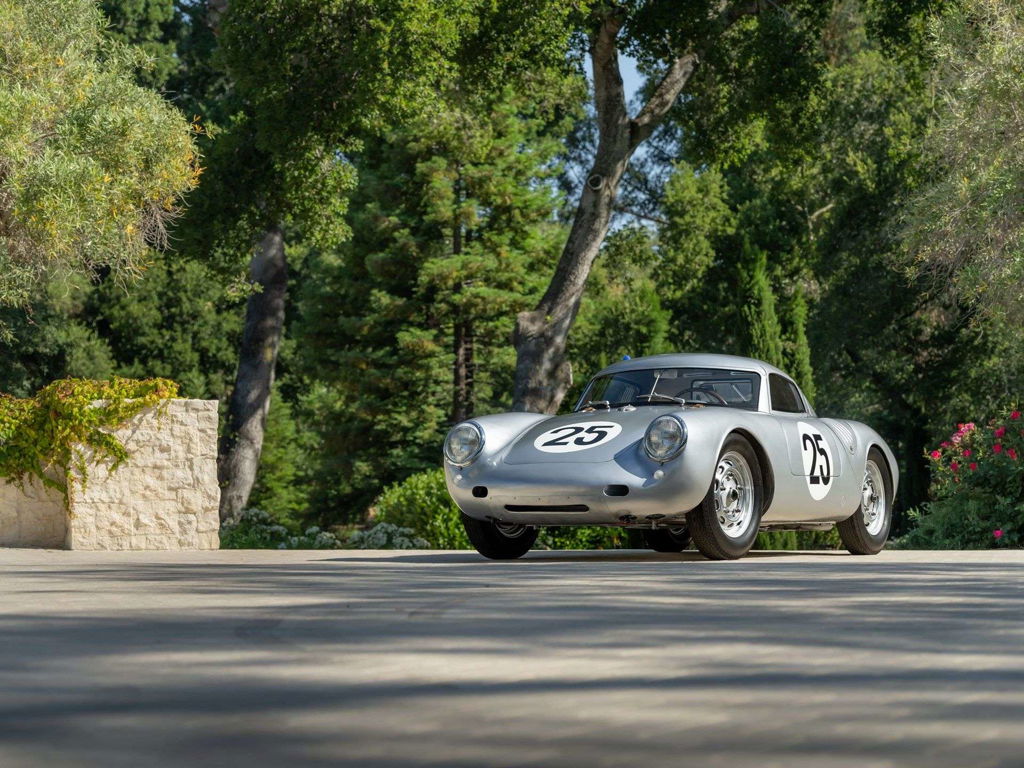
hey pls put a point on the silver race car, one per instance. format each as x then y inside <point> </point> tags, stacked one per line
<point>711,448</point>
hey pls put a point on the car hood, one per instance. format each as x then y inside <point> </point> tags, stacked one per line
<point>601,435</point>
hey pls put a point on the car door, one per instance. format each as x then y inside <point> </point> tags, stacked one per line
<point>814,457</point>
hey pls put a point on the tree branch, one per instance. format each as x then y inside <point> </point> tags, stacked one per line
<point>663,98</point>
<point>609,94</point>
<point>641,215</point>
<point>678,74</point>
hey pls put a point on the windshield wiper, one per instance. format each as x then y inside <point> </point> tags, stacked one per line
<point>653,395</point>
<point>597,404</point>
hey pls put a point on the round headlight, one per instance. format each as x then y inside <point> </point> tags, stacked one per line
<point>665,438</point>
<point>464,443</point>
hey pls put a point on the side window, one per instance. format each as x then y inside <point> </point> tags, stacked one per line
<point>785,396</point>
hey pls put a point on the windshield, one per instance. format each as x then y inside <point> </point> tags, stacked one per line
<point>658,386</point>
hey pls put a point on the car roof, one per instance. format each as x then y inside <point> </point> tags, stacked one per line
<point>692,360</point>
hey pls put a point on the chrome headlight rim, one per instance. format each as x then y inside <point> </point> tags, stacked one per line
<point>677,449</point>
<point>469,459</point>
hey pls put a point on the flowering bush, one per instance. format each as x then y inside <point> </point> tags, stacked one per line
<point>977,488</point>
<point>256,529</point>
<point>387,536</point>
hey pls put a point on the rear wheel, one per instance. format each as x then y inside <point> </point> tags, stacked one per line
<point>499,541</point>
<point>725,524</point>
<point>667,539</point>
<point>865,532</point>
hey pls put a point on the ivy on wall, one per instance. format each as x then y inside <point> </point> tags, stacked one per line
<point>69,424</point>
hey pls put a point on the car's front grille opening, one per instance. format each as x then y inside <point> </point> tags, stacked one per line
<point>547,507</point>
<point>480,491</point>
<point>616,490</point>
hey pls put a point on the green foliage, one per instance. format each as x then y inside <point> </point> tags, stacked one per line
<point>965,227</point>
<point>93,165</point>
<point>977,488</point>
<point>153,26</point>
<point>67,425</point>
<point>282,485</point>
<point>621,313</point>
<point>763,322</point>
<point>256,529</point>
<point>421,503</point>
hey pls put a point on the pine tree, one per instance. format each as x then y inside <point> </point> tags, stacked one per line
<point>763,322</point>
<point>453,228</point>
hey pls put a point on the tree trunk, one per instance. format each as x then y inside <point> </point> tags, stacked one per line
<point>250,399</point>
<point>462,399</point>
<point>543,374</point>
<point>462,340</point>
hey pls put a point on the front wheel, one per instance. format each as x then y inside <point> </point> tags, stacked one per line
<point>725,524</point>
<point>865,532</point>
<point>499,541</point>
<point>667,539</point>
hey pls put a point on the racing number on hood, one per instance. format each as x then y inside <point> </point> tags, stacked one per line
<point>576,437</point>
<point>817,458</point>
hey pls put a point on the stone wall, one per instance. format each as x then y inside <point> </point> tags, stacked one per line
<point>164,497</point>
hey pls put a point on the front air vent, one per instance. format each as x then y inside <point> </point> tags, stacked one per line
<point>547,507</point>
<point>616,490</point>
<point>480,491</point>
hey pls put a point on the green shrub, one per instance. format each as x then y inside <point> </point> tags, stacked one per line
<point>977,489</point>
<point>587,537</point>
<point>422,504</point>
<point>798,540</point>
<point>256,529</point>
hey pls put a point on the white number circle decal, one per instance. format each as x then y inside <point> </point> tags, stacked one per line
<point>576,437</point>
<point>817,456</point>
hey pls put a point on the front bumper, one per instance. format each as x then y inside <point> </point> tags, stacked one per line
<point>635,491</point>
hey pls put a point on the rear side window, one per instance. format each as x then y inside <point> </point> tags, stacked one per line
<point>784,394</point>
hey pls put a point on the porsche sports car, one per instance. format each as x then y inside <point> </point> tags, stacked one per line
<point>708,448</point>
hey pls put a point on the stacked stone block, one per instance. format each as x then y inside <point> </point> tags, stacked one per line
<point>164,497</point>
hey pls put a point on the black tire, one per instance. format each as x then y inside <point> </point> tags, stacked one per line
<point>855,532</point>
<point>499,543</point>
<point>707,532</point>
<point>667,539</point>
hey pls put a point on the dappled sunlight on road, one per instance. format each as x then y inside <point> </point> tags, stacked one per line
<point>433,658</point>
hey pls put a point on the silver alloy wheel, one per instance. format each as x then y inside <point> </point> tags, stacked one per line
<point>734,495</point>
<point>872,499</point>
<point>510,530</point>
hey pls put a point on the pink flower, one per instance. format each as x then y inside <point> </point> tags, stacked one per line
<point>955,466</point>
<point>997,448</point>
<point>936,455</point>
<point>1015,415</point>
<point>998,533</point>
<point>1011,453</point>
<point>957,438</point>
<point>973,465</point>
<point>967,451</point>
<point>1000,432</point>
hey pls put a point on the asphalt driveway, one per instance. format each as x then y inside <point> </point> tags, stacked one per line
<point>561,659</point>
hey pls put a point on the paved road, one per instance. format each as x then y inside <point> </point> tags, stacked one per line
<point>561,659</point>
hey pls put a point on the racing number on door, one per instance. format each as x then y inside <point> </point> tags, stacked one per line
<point>576,437</point>
<point>818,462</point>
<point>821,467</point>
